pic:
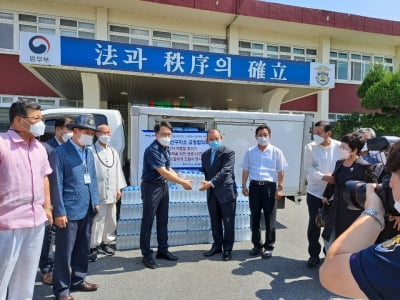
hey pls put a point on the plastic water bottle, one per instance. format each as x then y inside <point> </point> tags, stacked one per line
<point>136,195</point>
<point>125,195</point>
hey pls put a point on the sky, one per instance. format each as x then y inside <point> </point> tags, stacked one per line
<point>382,9</point>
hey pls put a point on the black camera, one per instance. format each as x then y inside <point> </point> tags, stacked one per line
<point>355,195</point>
<point>381,143</point>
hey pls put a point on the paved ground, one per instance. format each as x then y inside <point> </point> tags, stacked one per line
<point>284,276</point>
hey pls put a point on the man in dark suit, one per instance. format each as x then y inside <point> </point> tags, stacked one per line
<point>75,200</point>
<point>218,166</point>
<point>46,262</point>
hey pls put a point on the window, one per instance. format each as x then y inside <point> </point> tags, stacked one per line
<point>11,23</point>
<point>354,66</point>
<point>168,39</point>
<point>45,102</point>
<point>6,30</point>
<point>259,49</point>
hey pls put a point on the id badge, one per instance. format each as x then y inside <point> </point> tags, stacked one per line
<point>86,178</point>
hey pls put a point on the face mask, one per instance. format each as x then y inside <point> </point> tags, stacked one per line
<point>104,139</point>
<point>318,139</point>
<point>85,140</point>
<point>343,153</point>
<point>67,136</point>
<point>164,141</point>
<point>37,129</point>
<point>262,141</point>
<point>214,145</point>
<point>397,205</point>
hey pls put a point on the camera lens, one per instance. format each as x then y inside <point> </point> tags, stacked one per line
<point>355,194</point>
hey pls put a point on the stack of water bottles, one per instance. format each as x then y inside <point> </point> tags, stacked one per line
<point>188,222</point>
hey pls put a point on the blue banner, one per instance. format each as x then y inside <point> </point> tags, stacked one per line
<point>105,55</point>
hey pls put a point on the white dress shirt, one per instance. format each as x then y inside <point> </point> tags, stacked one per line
<point>318,161</point>
<point>264,165</point>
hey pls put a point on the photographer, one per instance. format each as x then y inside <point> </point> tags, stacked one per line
<point>353,270</point>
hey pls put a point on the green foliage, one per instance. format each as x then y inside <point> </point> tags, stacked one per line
<point>383,124</point>
<point>384,95</point>
<point>346,125</point>
<point>376,74</point>
<point>380,90</point>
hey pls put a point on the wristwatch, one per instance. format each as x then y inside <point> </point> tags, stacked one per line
<point>373,213</point>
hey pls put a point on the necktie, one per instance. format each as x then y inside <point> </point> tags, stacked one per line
<point>212,157</point>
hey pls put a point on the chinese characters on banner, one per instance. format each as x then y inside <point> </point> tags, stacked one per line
<point>106,55</point>
<point>178,62</point>
<point>185,148</point>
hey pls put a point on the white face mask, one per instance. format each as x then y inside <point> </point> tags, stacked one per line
<point>164,141</point>
<point>66,136</point>
<point>343,153</point>
<point>318,139</point>
<point>104,139</point>
<point>37,129</point>
<point>85,140</point>
<point>262,140</point>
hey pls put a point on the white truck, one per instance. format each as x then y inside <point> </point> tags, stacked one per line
<point>110,117</point>
<point>289,132</point>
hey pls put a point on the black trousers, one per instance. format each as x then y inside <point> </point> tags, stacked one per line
<point>313,231</point>
<point>262,197</point>
<point>72,251</point>
<point>222,213</point>
<point>155,199</point>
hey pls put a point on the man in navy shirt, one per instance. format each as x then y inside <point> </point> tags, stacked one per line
<point>156,173</point>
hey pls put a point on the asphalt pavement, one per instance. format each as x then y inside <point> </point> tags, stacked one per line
<point>285,276</point>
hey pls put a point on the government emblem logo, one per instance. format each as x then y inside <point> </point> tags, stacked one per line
<point>322,75</point>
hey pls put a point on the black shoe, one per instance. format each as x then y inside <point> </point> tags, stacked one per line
<point>255,251</point>
<point>266,254</point>
<point>106,250</point>
<point>93,255</point>
<point>313,262</point>
<point>227,255</point>
<point>212,252</point>
<point>166,255</point>
<point>149,262</point>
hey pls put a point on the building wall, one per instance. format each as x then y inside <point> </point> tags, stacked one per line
<point>17,80</point>
<point>343,97</point>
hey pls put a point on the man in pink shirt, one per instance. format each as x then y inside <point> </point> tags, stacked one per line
<point>24,200</point>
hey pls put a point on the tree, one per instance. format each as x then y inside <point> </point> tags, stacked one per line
<point>380,90</point>
<point>346,124</point>
<point>384,94</point>
<point>375,74</point>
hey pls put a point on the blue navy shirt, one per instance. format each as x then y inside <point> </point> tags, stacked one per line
<point>376,270</point>
<point>155,156</point>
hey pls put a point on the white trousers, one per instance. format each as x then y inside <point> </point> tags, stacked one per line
<point>104,225</point>
<point>19,260</point>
